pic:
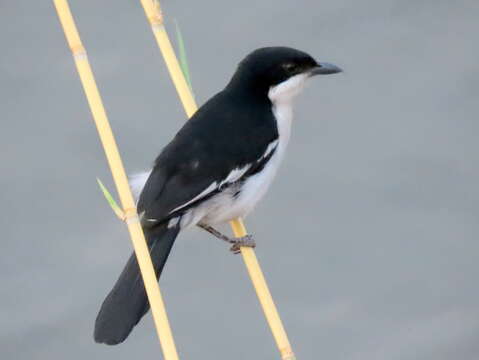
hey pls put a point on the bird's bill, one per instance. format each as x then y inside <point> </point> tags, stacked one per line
<point>324,68</point>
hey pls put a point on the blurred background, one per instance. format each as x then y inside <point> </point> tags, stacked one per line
<point>368,238</point>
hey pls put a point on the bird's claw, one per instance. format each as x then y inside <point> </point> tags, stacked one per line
<point>247,241</point>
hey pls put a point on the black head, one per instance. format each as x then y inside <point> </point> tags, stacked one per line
<point>270,66</point>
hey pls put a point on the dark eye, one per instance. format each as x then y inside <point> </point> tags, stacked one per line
<point>290,67</point>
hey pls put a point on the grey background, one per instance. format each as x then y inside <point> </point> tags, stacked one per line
<point>368,238</point>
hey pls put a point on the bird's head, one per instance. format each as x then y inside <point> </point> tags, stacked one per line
<point>278,72</point>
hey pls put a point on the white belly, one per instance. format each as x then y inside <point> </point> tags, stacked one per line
<point>224,206</point>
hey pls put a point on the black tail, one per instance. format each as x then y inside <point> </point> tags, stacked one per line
<point>126,303</point>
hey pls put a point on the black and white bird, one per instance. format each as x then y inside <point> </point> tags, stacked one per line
<point>216,168</point>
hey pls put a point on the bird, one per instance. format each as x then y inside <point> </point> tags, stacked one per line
<point>216,168</point>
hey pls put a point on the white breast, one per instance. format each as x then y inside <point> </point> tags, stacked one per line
<point>256,186</point>
<point>224,207</point>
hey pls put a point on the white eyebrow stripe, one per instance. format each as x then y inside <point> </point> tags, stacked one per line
<point>213,186</point>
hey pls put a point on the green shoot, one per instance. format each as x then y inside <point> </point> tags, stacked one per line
<point>115,207</point>
<point>182,55</point>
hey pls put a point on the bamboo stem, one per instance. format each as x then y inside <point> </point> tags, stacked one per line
<point>116,166</point>
<point>154,15</point>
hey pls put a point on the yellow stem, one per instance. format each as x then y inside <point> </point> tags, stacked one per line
<point>116,166</point>
<point>153,13</point>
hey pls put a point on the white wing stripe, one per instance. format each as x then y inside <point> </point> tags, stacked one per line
<point>235,175</point>
<point>206,191</point>
<point>270,148</point>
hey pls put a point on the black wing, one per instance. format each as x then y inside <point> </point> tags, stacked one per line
<point>224,135</point>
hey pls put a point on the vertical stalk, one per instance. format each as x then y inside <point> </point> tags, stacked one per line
<point>153,13</point>
<point>116,166</point>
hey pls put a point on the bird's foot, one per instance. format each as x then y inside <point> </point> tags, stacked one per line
<point>247,241</point>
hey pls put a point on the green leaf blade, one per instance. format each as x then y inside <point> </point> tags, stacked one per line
<point>111,201</point>
<point>182,55</point>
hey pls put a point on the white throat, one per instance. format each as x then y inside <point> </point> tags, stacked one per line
<point>282,96</point>
<point>287,90</point>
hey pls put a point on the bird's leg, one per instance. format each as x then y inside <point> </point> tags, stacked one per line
<point>216,233</point>
<point>237,242</point>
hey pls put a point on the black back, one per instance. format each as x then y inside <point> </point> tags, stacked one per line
<point>231,130</point>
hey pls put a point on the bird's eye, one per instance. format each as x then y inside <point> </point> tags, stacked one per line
<point>289,67</point>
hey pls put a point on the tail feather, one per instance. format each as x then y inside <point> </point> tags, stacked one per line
<point>127,302</point>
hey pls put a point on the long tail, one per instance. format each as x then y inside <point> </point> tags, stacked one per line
<point>127,302</point>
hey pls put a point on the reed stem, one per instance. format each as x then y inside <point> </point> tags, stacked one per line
<point>155,17</point>
<point>116,166</point>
